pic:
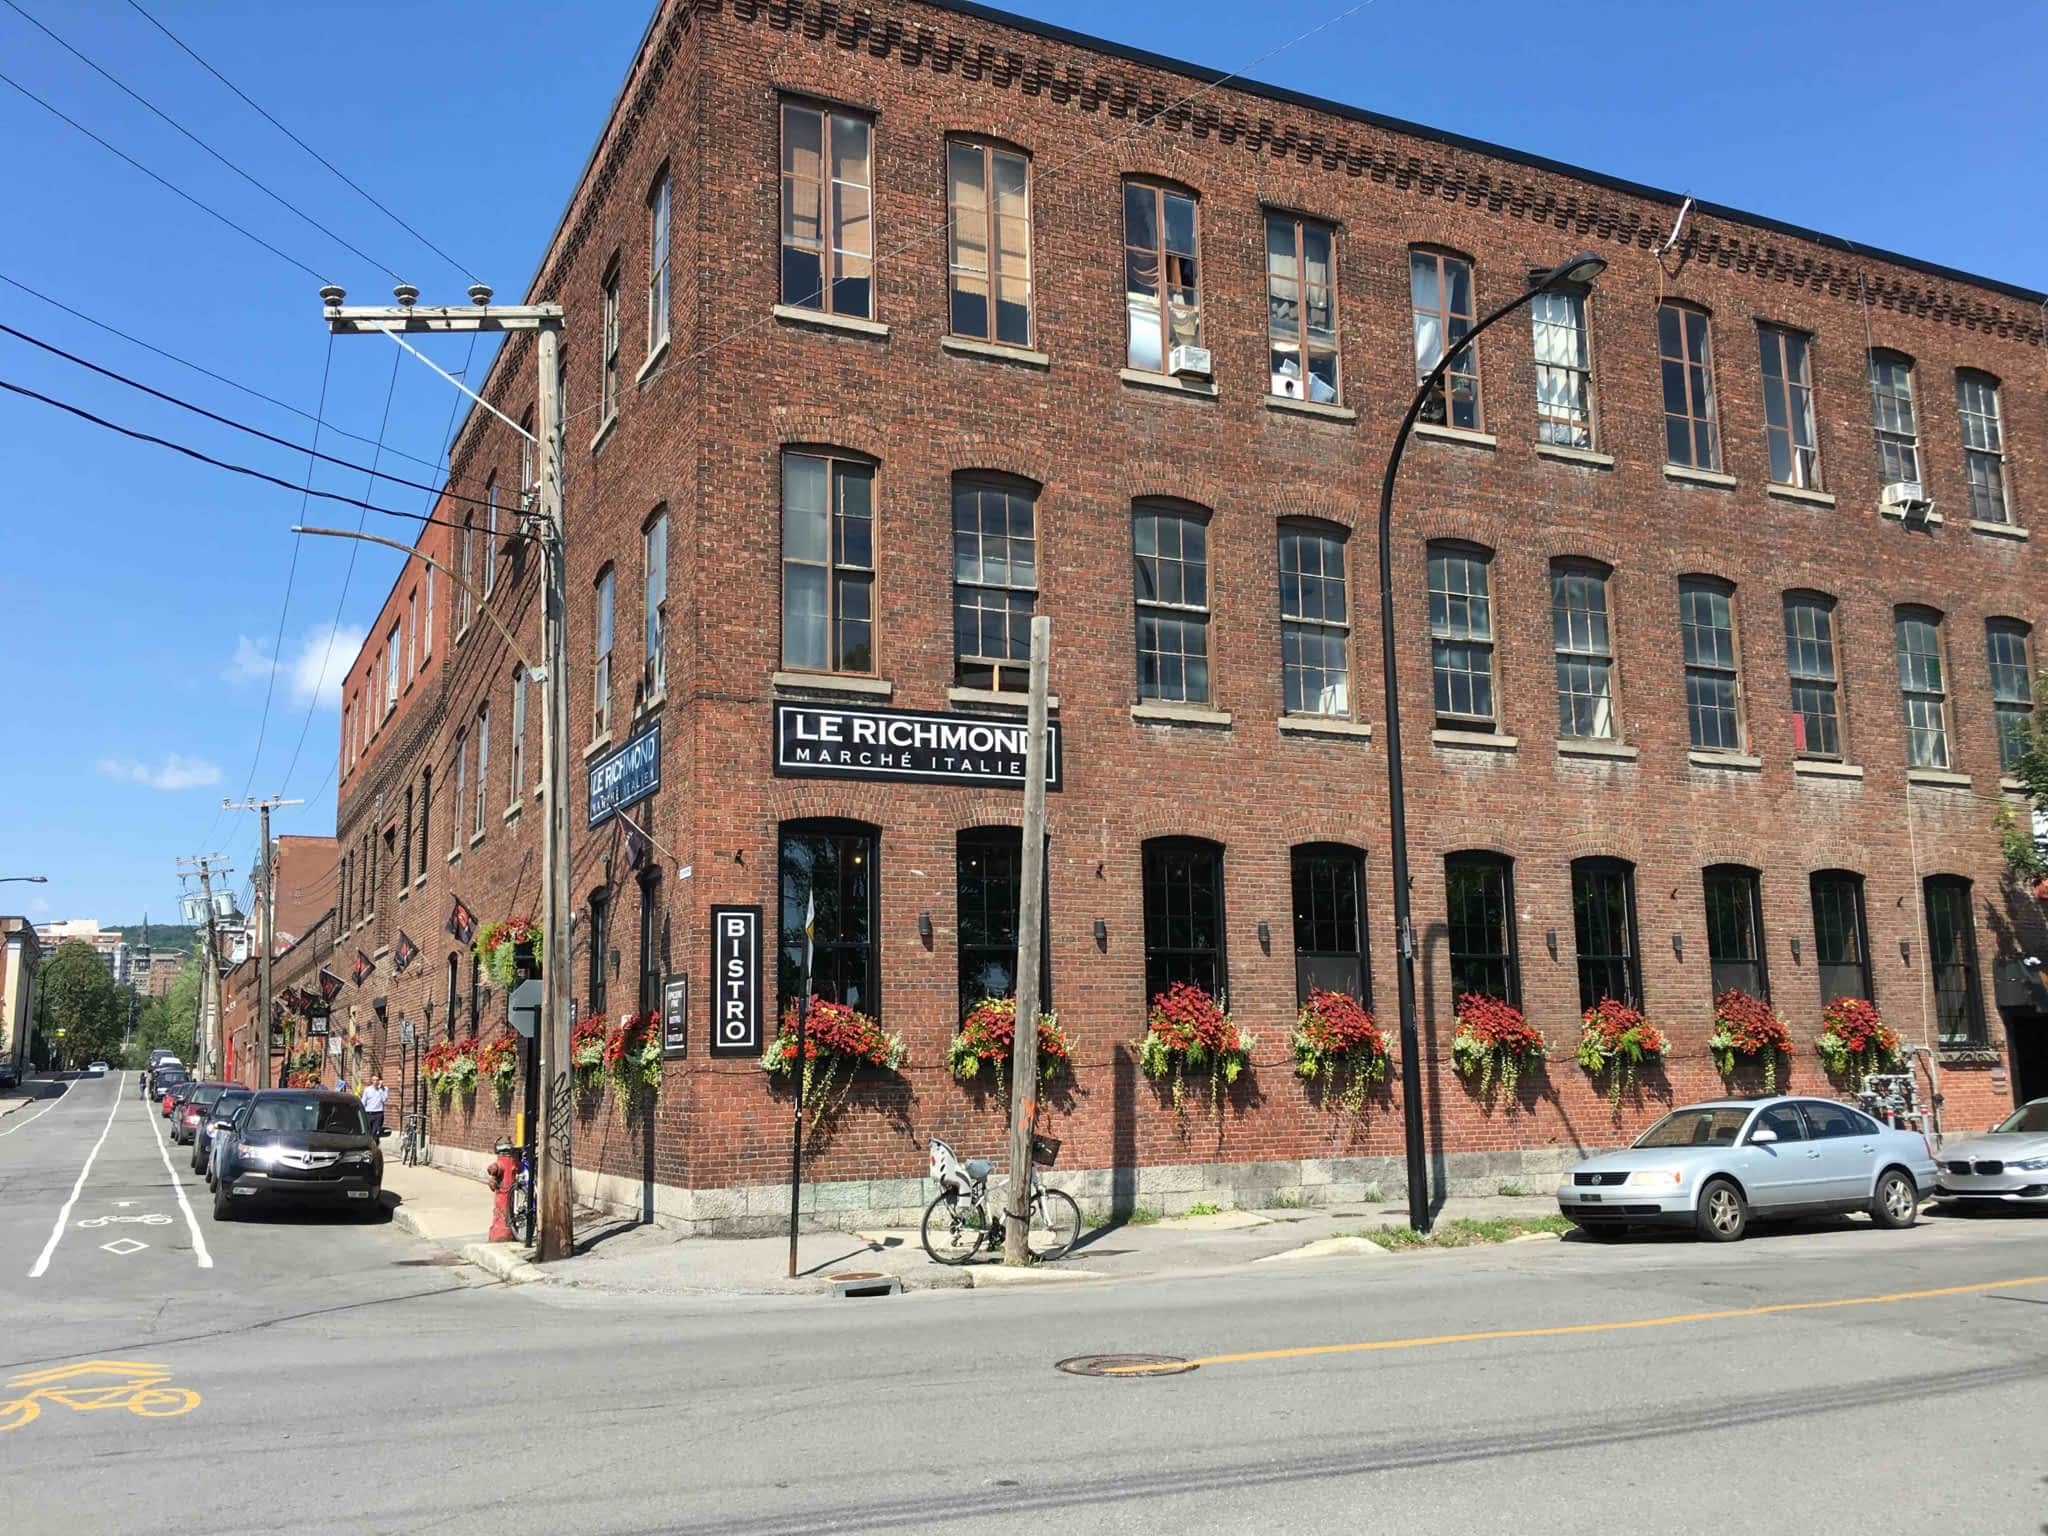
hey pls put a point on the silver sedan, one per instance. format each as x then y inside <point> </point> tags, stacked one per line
<point>1718,1166</point>
<point>2008,1165</point>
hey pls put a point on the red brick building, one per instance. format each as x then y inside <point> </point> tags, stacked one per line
<point>886,328</point>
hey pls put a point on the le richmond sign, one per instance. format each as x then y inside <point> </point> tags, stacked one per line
<point>828,741</point>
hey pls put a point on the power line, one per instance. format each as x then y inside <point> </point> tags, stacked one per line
<point>218,378</point>
<point>229,421</point>
<point>275,196</point>
<point>309,149</point>
<point>168,186</point>
<point>239,469</point>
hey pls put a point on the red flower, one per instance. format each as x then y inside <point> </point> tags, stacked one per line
<point>1751,1025</point>
<point>1612,1020</point>
<point>1334,1023</point>
<point>1498,1025</point>
<point>1187,1018</point>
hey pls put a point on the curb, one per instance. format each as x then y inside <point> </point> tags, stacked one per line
<point>503,1261</point>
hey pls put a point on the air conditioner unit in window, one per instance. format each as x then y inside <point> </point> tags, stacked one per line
<point>1906,498</point>
<point>1188,362</point>
<point>1287,386</point>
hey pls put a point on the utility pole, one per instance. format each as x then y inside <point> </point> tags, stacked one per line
<point>1030,942</point>
<point>208,864</point>
<point>554,1209</point>
<point>266,914</point>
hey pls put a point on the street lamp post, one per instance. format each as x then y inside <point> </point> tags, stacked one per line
<point>25,879</point>
<point>1581,268</point>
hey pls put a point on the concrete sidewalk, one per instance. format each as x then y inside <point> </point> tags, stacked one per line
<point>436,1204</point>
<point>624,1257</point>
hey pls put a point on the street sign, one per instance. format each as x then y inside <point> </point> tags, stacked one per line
<point>524,1007</point>
<point>675,1016</point>
<point>625,776</point>
<point>735,980</point>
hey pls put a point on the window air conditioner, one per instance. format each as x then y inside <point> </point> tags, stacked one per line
<point>1188,362</point>
<point>1287,386</point>
<point>1905,497</point>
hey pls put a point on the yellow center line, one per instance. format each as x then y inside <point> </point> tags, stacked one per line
<point>1564,1330</point>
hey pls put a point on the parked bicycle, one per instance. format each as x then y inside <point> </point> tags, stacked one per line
<point>962,1219</point>
<point>412,1140</point>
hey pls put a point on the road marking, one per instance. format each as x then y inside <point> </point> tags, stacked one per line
<point>64,1216</point>
<point>1562,1330</point>
<point>147,1219</point>
<point>32,1119</point>
<point>84,1388</point>
<point>191,1221</point>
<point>121,1247</point>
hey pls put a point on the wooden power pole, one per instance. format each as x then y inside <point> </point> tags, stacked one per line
<point>1030,946</point>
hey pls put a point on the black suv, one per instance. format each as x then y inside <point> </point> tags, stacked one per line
<point>300,1145</point>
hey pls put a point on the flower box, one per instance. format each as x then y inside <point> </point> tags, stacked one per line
<point>632,1058</point>
<point>1748,1029</point>
<point>1336,1041</point>
<point>987,1039</point>
<point>838,1042</point>
<point>1854,1041</point>
<point>1494,1043</point>
<point>1189,1031</point>
<point>1616,1040</point>
<point>498,944</point>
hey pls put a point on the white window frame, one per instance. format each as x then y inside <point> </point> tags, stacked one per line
<point>483,768</point>
<point>602,635</point>
<point>518,735</point>
<point>658,215</point>
<point>654,599</point>
<point>391,669</point>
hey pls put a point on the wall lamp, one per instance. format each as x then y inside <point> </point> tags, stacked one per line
<point>924,928</point>
<point>1550,941</point>
<point>1265,936</point>
<point>1906,951</point>
<point>1101,934</point>
<point>1795,951</point>
<point>1678,945</point>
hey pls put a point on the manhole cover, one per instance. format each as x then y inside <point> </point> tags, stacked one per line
<point>854,1274</point>
<point>1125,1365</point>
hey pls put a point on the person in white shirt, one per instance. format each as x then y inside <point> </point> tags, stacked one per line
<point>375,1097</point>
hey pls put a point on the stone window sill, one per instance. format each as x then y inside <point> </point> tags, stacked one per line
<point>1930,518</point>
<point>1939,778</point>
<point>2012,786</point>
<point>380,952</point>
<point>1180,714</point>
<point>649,707</point>
<point>1739,761</point>
<point>1800,493</point>
<point>597,746</point>
<point>476,839</point>
<point>996,699</point>
<point>419,879</point>
<point>653,361</point>
<point>1969,1056</point>
<point>1168,382</point>
<point>789,314</point>
<point>1824,768</point>
<point>1456,435</point>
<point>605,430</point>
<point>1569,455</point>
<point>1310,408</point>
<point>1594,746</point>
<point>1324,725</point>
<point>1998,530</point>
<point>1685,474</point>
<point>1483,741</point>
<point>454,854</point>
<point>833,682</point>
<point>512,812</point>
<point>404,890</point>
<point>1000,351</point>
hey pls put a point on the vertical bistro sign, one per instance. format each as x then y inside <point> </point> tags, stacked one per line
<point>735,981</point>
<point>830,741</point>
<point>626,775</point>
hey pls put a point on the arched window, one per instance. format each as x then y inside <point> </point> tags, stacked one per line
<point>1162,286</point>
<point>1713,691</point>
<point>1952,957</point>
<point>1983,446</point>
<point>828,563</point>
<point>1183,879</point>
<point>1479,905</point>
<point>1923,686</point>
<point>1315,621</point>
<point>1893,417</point>
<point>1329,921</point>
<point>653,936</point>
<point>1170,552</point>
<point>1841,941</point>
<point>1440,293</point>
<point>995,580</point>
<point>1604,928</point>
<point>988,870</point>
<point>1735,930</point>
<point>1685,353</point>
<point>1810,660</point>
<point>1461,636</point>
<point>2012,688</point>
<point>1583,636</point>
<point>599,941</point>
<point>831,868</point>
<point>606,598</point>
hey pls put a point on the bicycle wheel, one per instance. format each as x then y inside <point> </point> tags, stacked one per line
<point>954,1230</point>
<point>162,1402</point>
<point>17,1412</point>
<point>1055,1223</point>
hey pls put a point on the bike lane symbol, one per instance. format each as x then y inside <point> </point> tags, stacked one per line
<point>140,1388</point>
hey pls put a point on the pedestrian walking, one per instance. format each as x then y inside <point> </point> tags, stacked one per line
<point>375,1097</point>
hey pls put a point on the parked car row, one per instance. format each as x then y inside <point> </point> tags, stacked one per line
<point>262,1148</point>
<point>1720,1166</point>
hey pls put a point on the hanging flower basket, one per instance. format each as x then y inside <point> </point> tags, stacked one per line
<point>1493,1043</point>
<point>586,1052</point>
<point>987,1039</point>
<point>303,1066</point>
<point>497,1063</point>
<point>1189,1031</point>
<point>497,946</point>
<point>632,1058</point>
<point>1335,1038</point>
<point>1854,1041</point>
<point>1616,1040</point>
<point>838,1041</point>
<point>1747,1029</point>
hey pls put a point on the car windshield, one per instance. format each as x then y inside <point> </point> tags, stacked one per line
<point>339,1117</point>
<point>228,1103</point>
<point>1709,1126</point>
<point>2027,1120</point>
<point>206,1098</point>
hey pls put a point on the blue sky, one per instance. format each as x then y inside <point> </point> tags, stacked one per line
<point>141,594</point>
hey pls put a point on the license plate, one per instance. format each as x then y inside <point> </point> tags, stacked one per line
<point>359,1194</point>
<point>1590,1199</point>
<point>245,1189</point>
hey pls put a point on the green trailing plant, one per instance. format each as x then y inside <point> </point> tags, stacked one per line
<point>1336,1041</point>
<point>838,1042</point>
<point>1854,1040</point>
<point>497,946</point>
<point>1189,1031</point>
<point>1494,1043</point>
<point>1748,1029</point>
<point>1616,1040</point>
<point>987,1039</point>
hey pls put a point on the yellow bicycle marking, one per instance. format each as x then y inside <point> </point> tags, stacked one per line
<point>140,1388</point>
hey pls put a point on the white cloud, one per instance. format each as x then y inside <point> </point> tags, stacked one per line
<point>248,665</point>
<point>176,771</point>
<point>323,663</point>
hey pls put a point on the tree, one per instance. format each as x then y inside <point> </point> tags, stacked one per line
<point>2026,852</point>
<point>168,1022</point>
<point>82,1012</point>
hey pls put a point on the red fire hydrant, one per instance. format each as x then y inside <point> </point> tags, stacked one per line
<point>504,1174</point>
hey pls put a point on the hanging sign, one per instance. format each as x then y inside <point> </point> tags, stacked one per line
<point>403,953</point>
<point>461,924</point>
<point>735,981</point>
<point>626,775</point>
<point>363,967</point>
<point>330,985</point>
<point>675,1016</point>
<point>830,741</point>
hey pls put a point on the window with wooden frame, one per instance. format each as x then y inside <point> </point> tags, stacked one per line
<point>1301,308</point>
<point>608,348</point>
<point>426,813</point>
<point>1461,636</point>
<point>483,770</point>
<point>601,654</point>
<point>1952,957</point>
<point>1735,930</point>
<point>1440,294</point>
<point>1893,418</point>
<point>1789,437</point>
<point>653,934</point>
<point>834,865</point>
<point>1811,666</point>
<point>995,580</point>
<point>599,945</point>
<point>828,563</point>
<point>1564,367</point>
<point>658,197</point>
<point>1170,557</point>
<point>1162,286</point>
<point>988,866</point>
<point>516,789</point>
<point>1479,910</point>
<point>988,210</point>
<point>491,537</point>
<point>405,845</point>
<point>2012,688</point>
<point>465,590</point>
<point>1841,939</point>
<point>1686,358</point>
<point>1713,678</point>
<point>1983,446</point>
<point>461,791</point>
<point>1330,949</point>
<point>1922,686</point>
<point>1315,622</point>
<point>1604,931</point>
<point>828,234</point>
<point>1183,894</point>
<point>654,605</point>
<point>391,661</point>
<point>1583,638</point>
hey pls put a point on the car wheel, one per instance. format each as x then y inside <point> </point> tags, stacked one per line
<point>223,1203</point>
<point>1897,1202</point>
<point>1723,1216</point>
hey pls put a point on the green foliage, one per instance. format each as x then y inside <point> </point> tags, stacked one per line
<point>168,1022</point>
<point>82,1013</point>
<point>1466,1232</point>
<point>1204,1208</point>
<point>2027,860</point>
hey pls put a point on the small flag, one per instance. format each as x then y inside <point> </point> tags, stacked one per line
<point>330,985</point>
<point>810,931</point>
<point>403,953</point>
<point>364,966</point>
<point>636,844</point>
<point>461,924</point>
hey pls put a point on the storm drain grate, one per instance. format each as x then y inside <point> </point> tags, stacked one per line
<point>1125,1365</point>
<point>864,1282</point>
<point>438,1261</point>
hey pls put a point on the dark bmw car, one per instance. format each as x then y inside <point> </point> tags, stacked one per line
<point>193,1110</point>
<point>299,1146</point>
<point>216,1117</point>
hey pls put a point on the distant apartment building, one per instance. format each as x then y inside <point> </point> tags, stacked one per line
<point>20,954</point>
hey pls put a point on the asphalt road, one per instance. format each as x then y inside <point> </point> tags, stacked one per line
<point>342,1385</point>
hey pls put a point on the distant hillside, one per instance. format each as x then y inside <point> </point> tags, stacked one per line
<point>162,936</point>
